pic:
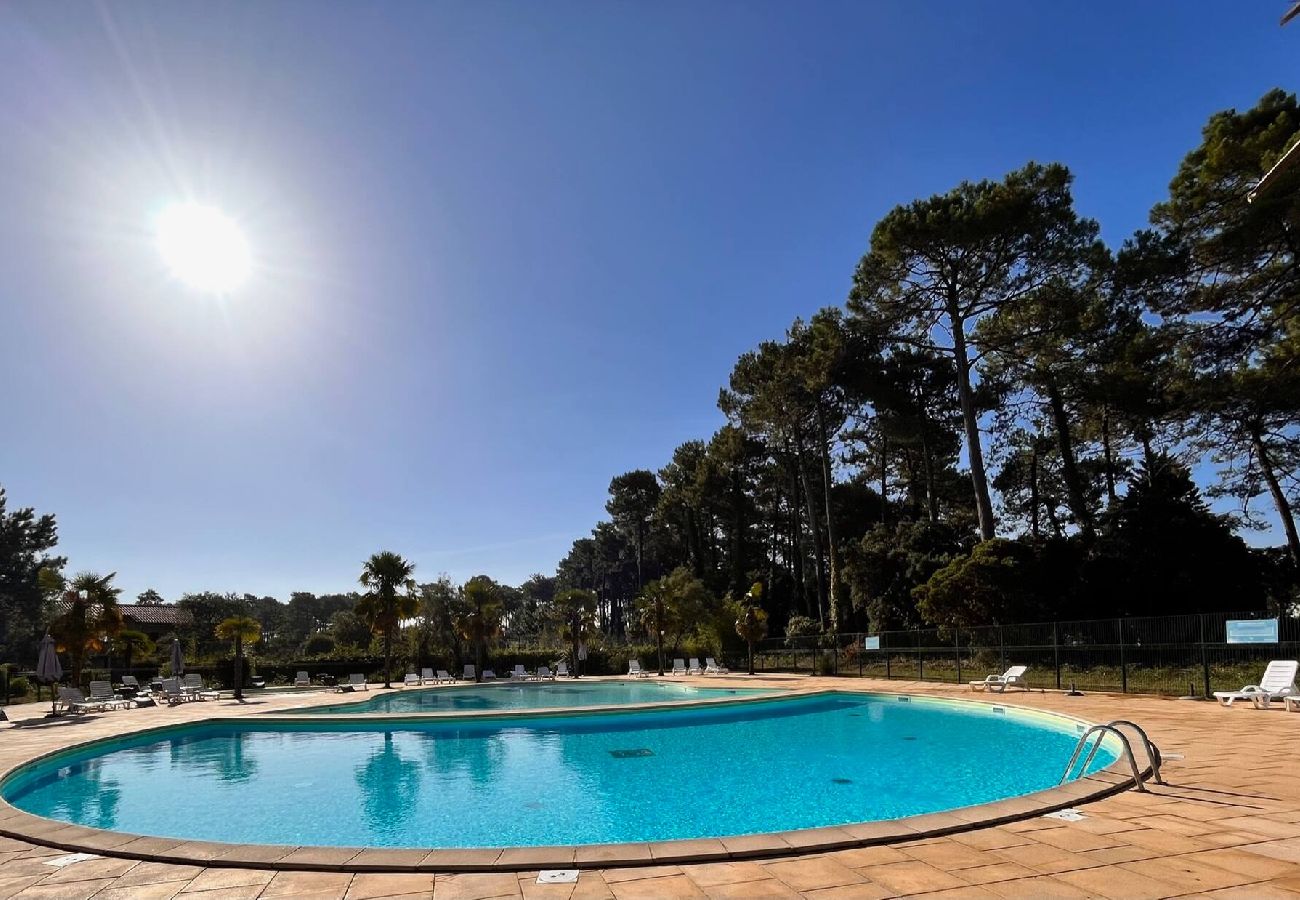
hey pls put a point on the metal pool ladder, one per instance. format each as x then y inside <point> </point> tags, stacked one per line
<point>1152,751</point>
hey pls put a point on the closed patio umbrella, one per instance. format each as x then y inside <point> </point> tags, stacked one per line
<point>48,669</point>
<point>178,661</point>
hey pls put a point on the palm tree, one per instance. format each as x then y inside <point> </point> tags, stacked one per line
<point>477,618</point>
<point>241,630</point>
<point>133,644</point>
<point>751,621</point>
<point>88,617</point>
<point>390,600</point>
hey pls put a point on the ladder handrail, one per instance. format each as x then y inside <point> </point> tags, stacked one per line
<point>1102,730</point>
<point>1153,752</point>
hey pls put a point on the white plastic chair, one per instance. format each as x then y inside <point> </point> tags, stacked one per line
<point>1278,683</point>
<point>1012,677</point>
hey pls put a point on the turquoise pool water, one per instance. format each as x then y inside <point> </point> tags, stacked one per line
<point>531,695</point>
<point>764,765</point>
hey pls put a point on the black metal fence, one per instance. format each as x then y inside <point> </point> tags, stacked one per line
<point>1175,655</point>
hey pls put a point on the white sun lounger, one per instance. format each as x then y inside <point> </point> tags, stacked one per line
<point>712,668</point>
<point>356,682</point>
<point>1278,683</point>
<point>544,672</point>
<point>426,676</point>
<point>469,672</point>
<point>411,680</point>
<point>562,669</point>
<point>679,667</point>
<point>518,673</point>
<point>443,677</point>
<point>694,667</point>
<point>634,669</point>
<point>302,679</point>
<point>489,675</point>
<point>1012,677</point>
<point>72,700</point>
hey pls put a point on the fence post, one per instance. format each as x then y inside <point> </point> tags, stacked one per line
<point>920,663</point>
<point>1123,663</point>
<point>1205,659</point>
<point>887,674</point>
<point>1002,650</point>
<point>956,643</point>
<point>862,651</point>
<point>1056,654</point>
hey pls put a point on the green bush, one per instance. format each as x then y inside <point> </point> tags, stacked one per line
<point>19,687</point>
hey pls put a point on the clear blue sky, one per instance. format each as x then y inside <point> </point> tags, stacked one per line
<point>504,250</point>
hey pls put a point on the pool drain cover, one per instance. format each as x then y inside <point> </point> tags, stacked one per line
<point>557,876</point>
<point>628,754</point>
<point>842,780</point>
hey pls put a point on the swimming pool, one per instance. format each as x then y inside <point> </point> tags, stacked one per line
<point>756,766</point>
<point>532,695</point>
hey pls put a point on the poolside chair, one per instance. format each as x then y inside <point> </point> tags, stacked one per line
<point>426,676</point>
<point>679,667</point>
<point>695,667</point>
<point>544,672</point>
<point>469,672</point>
<point>712,668</point>
<point>193,685</point>
<point>1012,677</point>
<point>561,669</point>
<point>302,679</point>
<point>357,681</point>
<point>634,669</point>
<point>1291,703</point>
<point>172,693</point>
<point>518,673</point>
<point>101,692</point>
<point>1278,683</point>
<point>131,682</point>
<point>443,677</point>
<point>489,675</point>
<point>74,701</point>
<point>411,680</point>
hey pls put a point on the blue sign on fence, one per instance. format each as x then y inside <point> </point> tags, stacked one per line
<point>1252,631</point>
<point>871,643</point>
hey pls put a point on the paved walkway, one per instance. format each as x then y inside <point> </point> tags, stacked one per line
<point>1226,825</point>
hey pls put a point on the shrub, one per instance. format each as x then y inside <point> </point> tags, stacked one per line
<point>319,645</point>
<point>19,686</point>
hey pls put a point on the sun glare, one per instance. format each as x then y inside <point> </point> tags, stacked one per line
<point>203,247</point>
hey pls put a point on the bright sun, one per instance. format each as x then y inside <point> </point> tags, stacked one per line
<point>203,247</point>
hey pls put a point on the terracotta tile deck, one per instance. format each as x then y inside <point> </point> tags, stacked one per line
<point>1226,825</point>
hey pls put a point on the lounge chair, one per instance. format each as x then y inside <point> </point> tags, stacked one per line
<point>357,681</point>
<point>518,673</point>
<point>561,669</point>
<point>172,693</point>
<point>101,692</point>
<point>302,679</point>
<point>1291,703</point>
<point>1012,677</point>
<point>411,680</point>
<point>193,685</point>
<point>426,676</point>
<point>544,672</point>
<point>1278,683</point>
<point>712,668</point>
<point>130,682</point>
<point>634,669</point>
<point>469,672</point>
<point>73,700</point>
<point>694,668</point>
<point>443,677</point>
<point>679,667</point>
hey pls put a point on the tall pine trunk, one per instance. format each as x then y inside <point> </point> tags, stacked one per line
<point>974,450</point>
<point>1069,469</point>
<point>819,561</point>
<point>833,575</point>
<point>1279,496</point>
